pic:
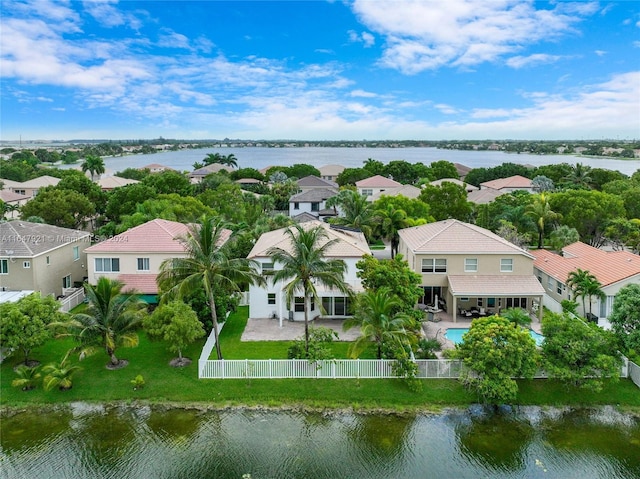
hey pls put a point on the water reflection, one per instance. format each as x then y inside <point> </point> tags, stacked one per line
<point>140,442</point>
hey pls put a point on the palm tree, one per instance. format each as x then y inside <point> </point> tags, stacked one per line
<point>585,285</point>
<point>540,211</point>
<point>357,211</point>
<point>518,316</point>
<point>110,320</point>
<point>27,377</point>
<point>93,164</point>
<point>59,375</point>
<point>579,176</point>
<point>304,265</point>
<point>392,220</point>
<point>228,160</point>
<point>377,321</point>
<point>208,265</point>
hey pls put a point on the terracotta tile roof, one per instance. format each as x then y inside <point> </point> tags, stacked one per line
<point>498,285</point>
<point>516,181</point>
<point>456,237</point>
<point>608,267</point>
<point>155,236</point>
<point>315,182</point>
<point>408,191</point>
<point>483,197</point>
<point>350,244</point>
<point>22,239</point>
<point>377,181</point>
<point>140,283</point>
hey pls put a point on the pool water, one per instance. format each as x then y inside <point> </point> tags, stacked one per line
<point>455,335</point>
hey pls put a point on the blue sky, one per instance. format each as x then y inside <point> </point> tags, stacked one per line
<point>442,69</point>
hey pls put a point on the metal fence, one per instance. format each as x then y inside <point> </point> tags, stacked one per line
<point>335,369</point>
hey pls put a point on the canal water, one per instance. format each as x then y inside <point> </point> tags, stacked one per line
<point>88,441</point>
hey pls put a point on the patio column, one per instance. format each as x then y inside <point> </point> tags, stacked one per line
<point>540,309</point>
<point>455,308</point>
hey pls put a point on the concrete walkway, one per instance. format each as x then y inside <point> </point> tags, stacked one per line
<point>270,330</point>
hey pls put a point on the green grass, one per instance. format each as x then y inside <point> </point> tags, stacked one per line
<point>181,385</point>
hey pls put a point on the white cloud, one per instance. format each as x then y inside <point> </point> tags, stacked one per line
<point>422,35</point>
<point>365,38</point>
<point>531,60</point>
<point>600,53</point>
<point>446,109</point>
<point>363,94</point>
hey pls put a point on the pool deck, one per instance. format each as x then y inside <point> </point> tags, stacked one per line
<point>443,321</point>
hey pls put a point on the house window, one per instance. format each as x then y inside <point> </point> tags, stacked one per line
<point>315,206</point>
<point>558,287</point>
<point>550,283</point>
<point>20,192</point>
<point>480,302</point>
<point>26,264</point>
<point>66,281</point>
<point>298,306</point>
<point>340,306</point>
<point>267,268</point>
<point>296,206</point>
<point>4,266</point>
<point>76,253</point>
<point>434,265</point>
<point>506,265</point>
<point>367,192</point>
<point>471,265</point>
<point>271,298</point>
<point>143,264</point>
<point>107,265</point>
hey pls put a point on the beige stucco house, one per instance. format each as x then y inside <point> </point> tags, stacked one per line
<point>374,185</point>
<point>269,301</point>
<point>465,267</point>
<point>31,187</point>
<point>330,172</point>
<point>134,257</point>
<point>41,257</point>
<point>613,269</point>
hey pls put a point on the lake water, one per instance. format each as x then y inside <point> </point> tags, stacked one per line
<point>354,157</point>
<point>138,442</point>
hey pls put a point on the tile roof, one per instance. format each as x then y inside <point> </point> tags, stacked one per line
<point>608,267</point>
<point>140,283</point>
<point>331,170</point>
<point>9,196</point>
<point>515,181</point>
<point>23,239</point>
<point>455,237</point>
<point>455,181</point>
<point>377,181</point>
<point>111,182</point>
<point>315,182</point>
<point>408,191</point>
<point>316,194</point>
<point>212,168</point>
<point>39,182</point>
<point>485,196</point>
<point>155,236</point>
<point>350,244</point>
<point>494,285</point>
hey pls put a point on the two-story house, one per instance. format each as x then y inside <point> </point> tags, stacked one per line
<point>313,202</point>
<point>42,257</point>
<point>613,269</point>
<point>134,257</point>
<point>330,172</point>
<point>269,301</point>
<point>374,185</point>
<point>465,267</point>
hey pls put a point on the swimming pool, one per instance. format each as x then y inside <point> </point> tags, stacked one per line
<point>455,335</point>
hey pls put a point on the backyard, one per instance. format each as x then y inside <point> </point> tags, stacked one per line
<point>181,386</point>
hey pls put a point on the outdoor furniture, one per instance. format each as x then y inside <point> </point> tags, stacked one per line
<point>465,313</point>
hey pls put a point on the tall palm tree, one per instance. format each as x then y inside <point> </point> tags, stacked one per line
<point>579,176</point>
<point>93,164</point>
<point>304,266</point>
<point>110,320</point>
<point>208,265</point>
<point>377,321</point>
<point>585,285</point>
<point>357,212</point>
<point>540,211</point>
<point>227,160</point>
<point>392,220</point>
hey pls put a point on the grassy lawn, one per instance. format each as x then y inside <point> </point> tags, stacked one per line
<point>181,385</point>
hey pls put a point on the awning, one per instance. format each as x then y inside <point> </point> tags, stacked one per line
<point>494,286</point>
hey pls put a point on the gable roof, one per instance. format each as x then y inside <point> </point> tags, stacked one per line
<point>350,244</point>
<point>377,181</point>
<point>9,196</point>
<point>111,182</point>
<point>315,182</point>
<point>331,170</point>
<point>316,194</point>
<point>484,196</point>
<point>455,181</point>
<point>462,169</point>
<point>155,236</point>
<point>408,191</point>
<point>39,182</point>
<point>212,168</point>
<point>607,266</point>
<point>515,181</point>
<point>455,237</point>
<point>23,239</point>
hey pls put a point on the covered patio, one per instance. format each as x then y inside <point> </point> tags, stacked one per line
<point>491,294</point>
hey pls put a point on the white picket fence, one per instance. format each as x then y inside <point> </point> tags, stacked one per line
<point>70,301</point>
<point>333,369</point>
<point>634,373</point>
